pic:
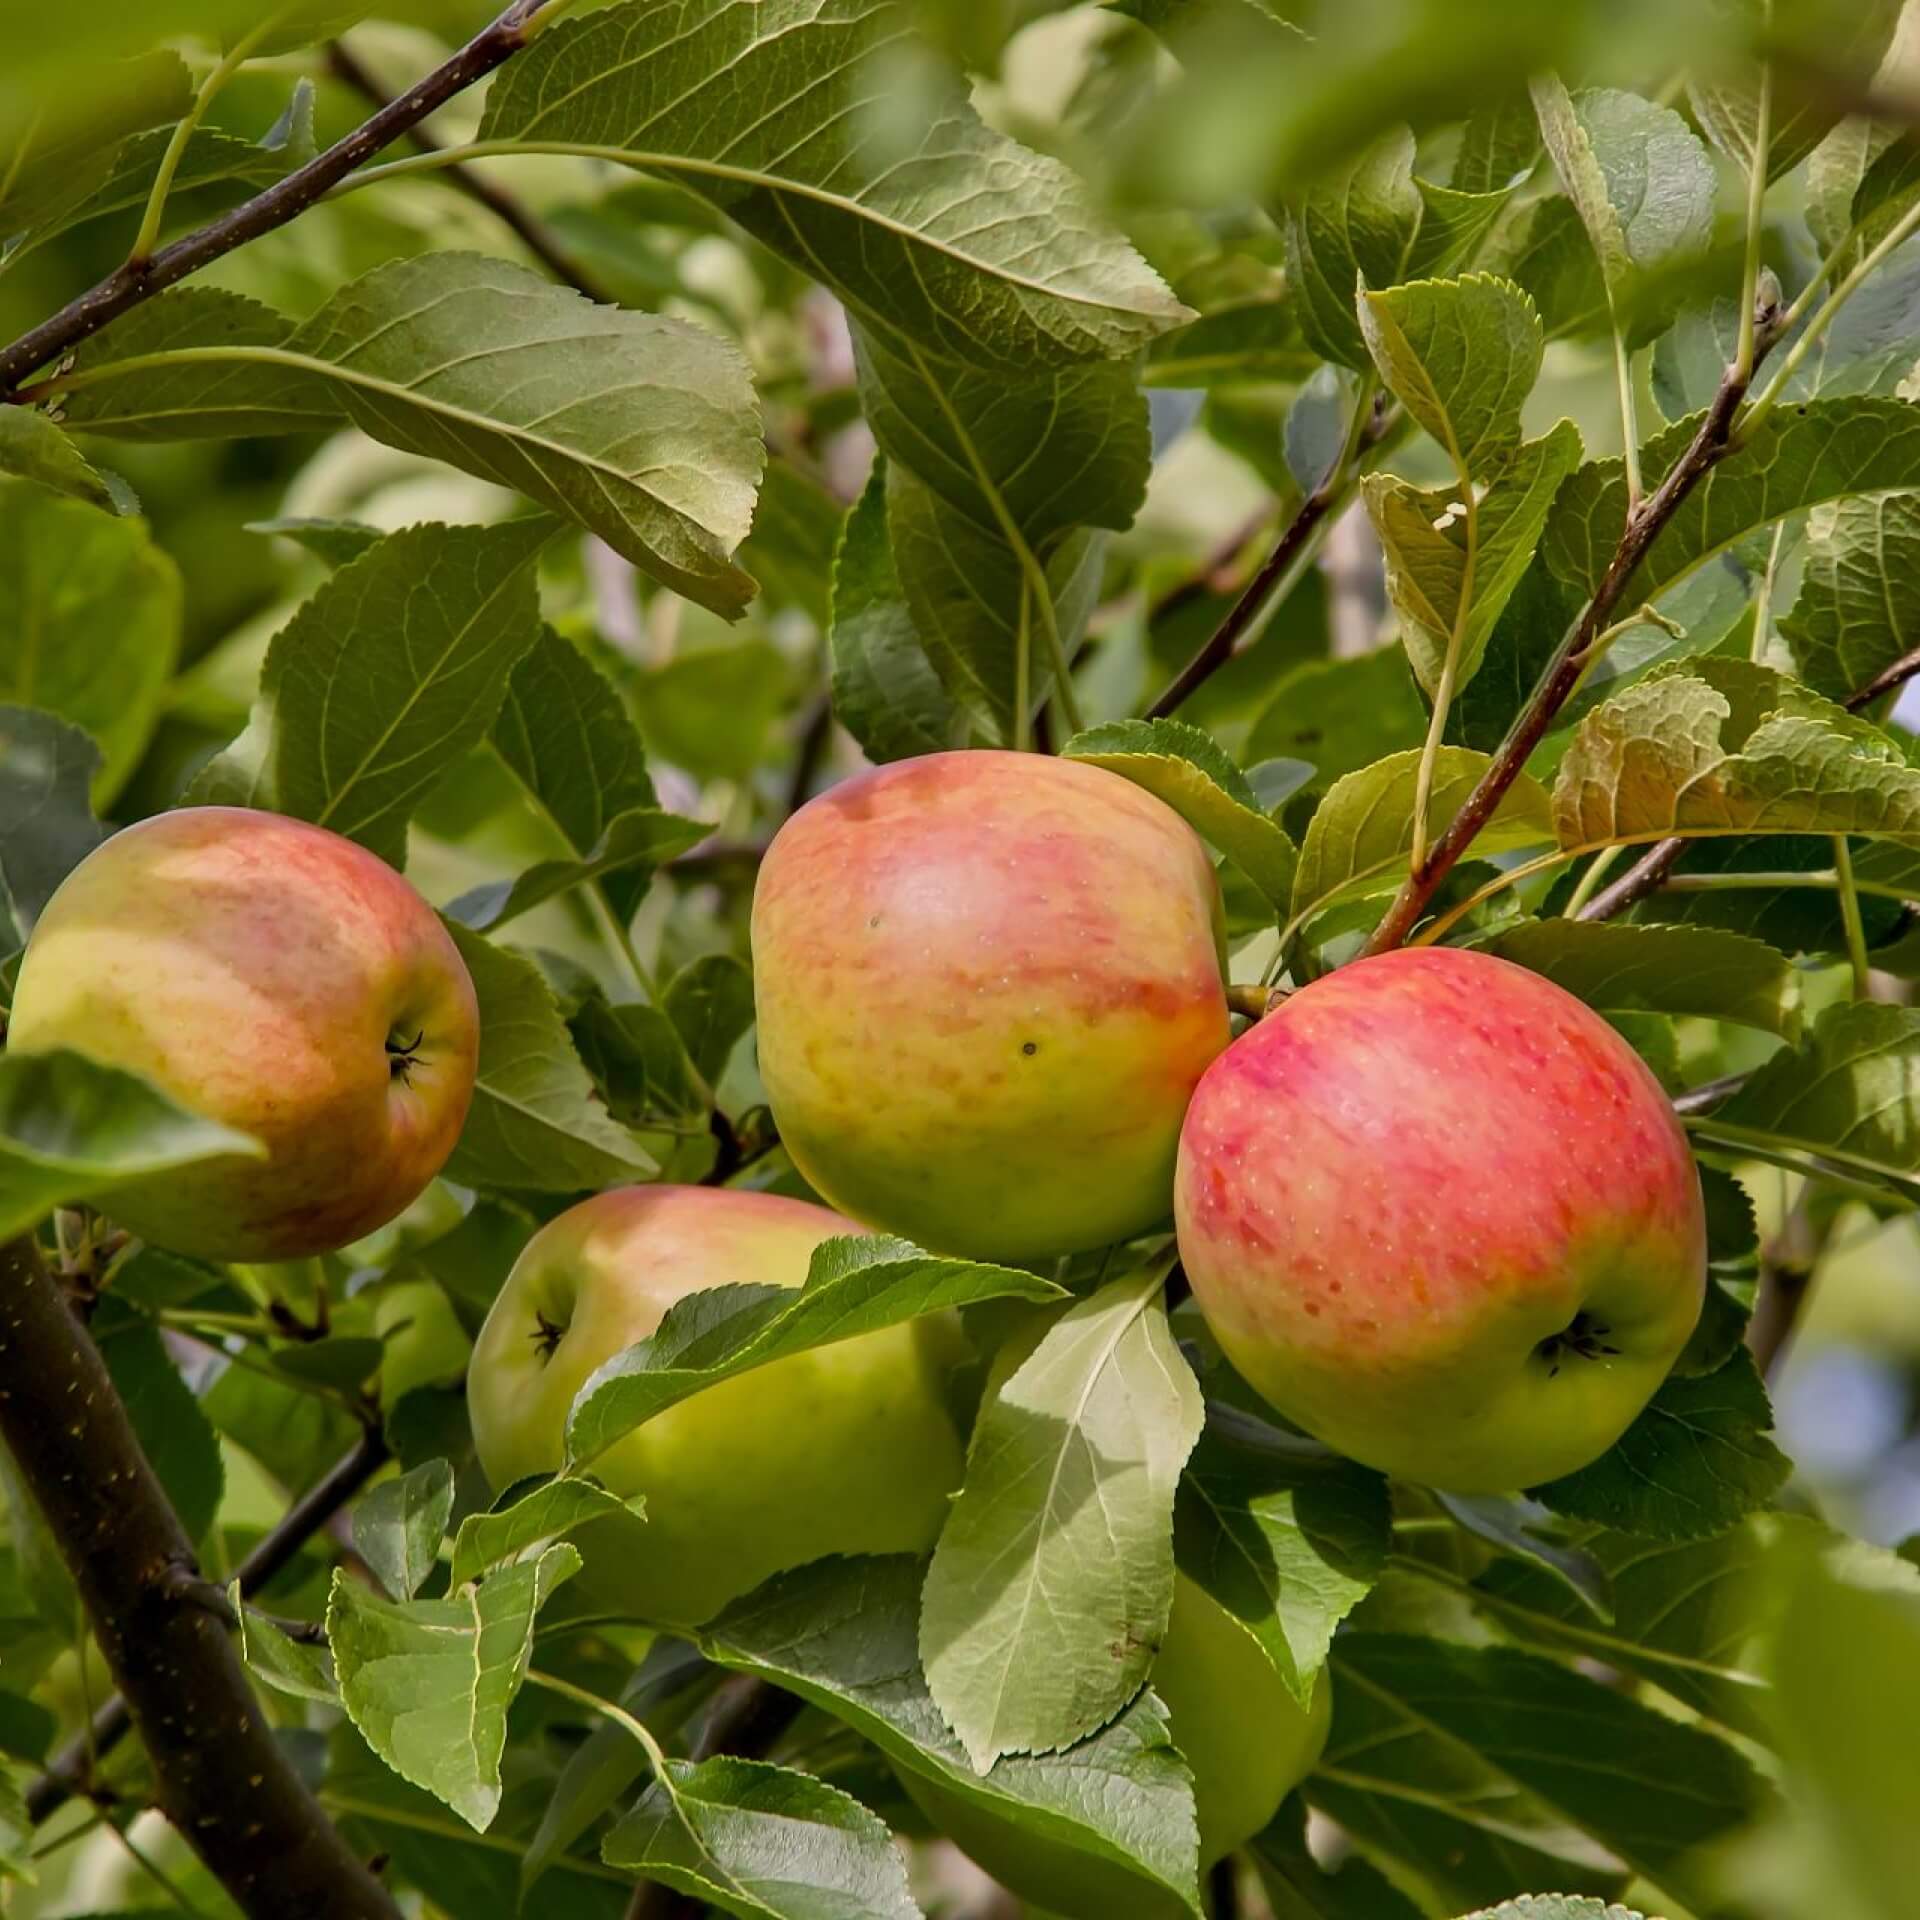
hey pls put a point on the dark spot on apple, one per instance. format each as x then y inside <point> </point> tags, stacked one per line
<point>1030,1047</point>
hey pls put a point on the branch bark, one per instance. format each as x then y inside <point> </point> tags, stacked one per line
<point>508,208</point>
<point>1709,445</point>
<point>306,1517</point>
<point>137,281</point>
<point>222,1778</point>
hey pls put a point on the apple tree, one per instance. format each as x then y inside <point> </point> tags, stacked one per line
<point>946,950</point>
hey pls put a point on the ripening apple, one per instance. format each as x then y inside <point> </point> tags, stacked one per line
<point>273,976</point>
<point>1246,1740</point>
<point>987,984</point>
<point>849,1448</point>
<point>1442,1216</point>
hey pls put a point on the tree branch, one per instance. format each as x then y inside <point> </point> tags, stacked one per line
<point>1649,873</point>
<point>311,1512</point>
<point>222,1778</point>
<point>508,208</point>
<point>1221,645</point>
<point>137,281</point>
<point>1709,445</point>
<point>1787,1263</point>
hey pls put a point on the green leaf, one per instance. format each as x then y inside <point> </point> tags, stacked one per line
<point>549,1512</point>
<point>1697,1461</point>
<point>710,1002</point>
<point>397,1527</point>
<point>944,230</point>
<point>855,1284</point>
<point>1717,747</point>
<point>1499,144</point>
<point>1526,1530</point>
<point>1070,449</point>
<point>1847,1686</point>
<point>1356,226</point>
<point>332,542</point>
<point>1187,769</point>
<point>71,1129</point>
<point>535,1122</point>
<point>1461,356</point>
<point>1851,1094</point>
<point>1726,98</point>
<point>1357,843</point>
<point>1643,184</point>
<point>1453,563</point>
<point>1341,715</point>
<point>1454,1760</point>
<point>1555,1906</point>
<point>1861,579</point>
<point>885,691</point>
<point>1050,1588</point>
<point>1287,1544</point>
<point>1632,969</point>
<point>393,670</point>
<point>429,1683</point>
<point>763,1842</point>
<point>964,589</point>
<point>47,770</point>
<point>1299,1888</point>
<point>644,839</point>
<point>90,613</point>
<point>643,430</point>
<point>33,448</point>
<point>1797,457</point>
<point>170,1423</point>
<point>795,523</point>
<point>304,1672</point>
<point>842,1634</point>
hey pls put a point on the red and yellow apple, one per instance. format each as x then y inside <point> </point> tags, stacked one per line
<point>987,984</point>
<point>273,976</point>
<point>1440,1215</point>
<point>1246,1740</point>
<point>849,1448</point>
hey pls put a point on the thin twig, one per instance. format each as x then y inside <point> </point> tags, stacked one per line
<point>507,207</point>
<point>136,281</point>
<point>1221,645</point>
<point>1709,445</point>
<point>1787,1264</point>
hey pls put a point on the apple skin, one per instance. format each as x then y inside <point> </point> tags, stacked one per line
<point>1246,1739</point>
<point>256,969</point>
<point>987,984</point>
<point>847,1448</point>
<point>1439,1214</point>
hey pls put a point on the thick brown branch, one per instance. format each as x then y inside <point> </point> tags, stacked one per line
<point>1649,873</point>
<point>221,1776</point>
<point>1645,524</point>
<point>311,1512</point>
<point>509,209</point>
<point>134,282</point>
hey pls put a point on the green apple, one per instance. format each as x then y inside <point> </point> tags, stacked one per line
<point>424,1344</point>
<point>987,984</point>
<point>273,976</point>
<point>847,1448</point>
<point>1247,1741</point>
<point>1441,1216</point>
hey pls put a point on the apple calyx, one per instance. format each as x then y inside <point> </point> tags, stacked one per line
<point>404,1055</point>
<point>546,1336</point>
<point>1583,1336</point>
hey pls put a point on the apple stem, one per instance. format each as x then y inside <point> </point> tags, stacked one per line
<point>1255,1003</point>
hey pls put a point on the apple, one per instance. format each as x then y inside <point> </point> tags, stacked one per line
<point>987,984</point>
<point>1245,1738</point>
<point>1440,1215</point>
<point>847,1448</point>
<point>271,975</point>
<point>424,1343</point>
